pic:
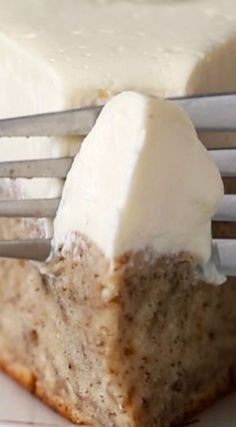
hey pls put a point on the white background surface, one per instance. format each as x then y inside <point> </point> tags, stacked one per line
<point>17,405</point>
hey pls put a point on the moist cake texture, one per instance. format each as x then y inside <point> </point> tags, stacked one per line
<point>139,340</point>
<point>142,344</point>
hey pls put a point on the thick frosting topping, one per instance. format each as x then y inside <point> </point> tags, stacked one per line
<point>142,179</point>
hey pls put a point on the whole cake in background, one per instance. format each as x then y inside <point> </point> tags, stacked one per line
<point>124,325</point>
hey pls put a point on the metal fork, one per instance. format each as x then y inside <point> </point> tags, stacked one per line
<point>207,112</point>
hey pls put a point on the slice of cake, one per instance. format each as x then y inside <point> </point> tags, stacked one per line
<point>123,326</point>
<point>152,341</point>
<point>128,327</point>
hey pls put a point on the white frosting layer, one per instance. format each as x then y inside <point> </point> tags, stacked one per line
<point>93,49</point>
<point>141,179</point>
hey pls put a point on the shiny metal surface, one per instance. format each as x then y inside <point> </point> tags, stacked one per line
<point>207,112</point>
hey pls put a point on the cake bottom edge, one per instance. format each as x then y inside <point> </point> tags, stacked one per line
<point>25,377</point>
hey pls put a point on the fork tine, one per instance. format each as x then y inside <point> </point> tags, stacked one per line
<point>47,208</point>
<point>35,249</point>
<point>35,208</point>
<point>59,167</point>
<point>207,112</point>
<point>43,168</point>
<point>225,160</point>
<point>227,209</point>
<point>211,112</point>
<point>224,252</point>
<point>61,123</point>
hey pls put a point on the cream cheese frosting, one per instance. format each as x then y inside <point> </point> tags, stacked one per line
<point>142,179</point>
<point>93,49</point>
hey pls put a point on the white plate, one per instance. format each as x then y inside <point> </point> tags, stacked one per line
<point>18,409</point>
<point>19,406</point>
